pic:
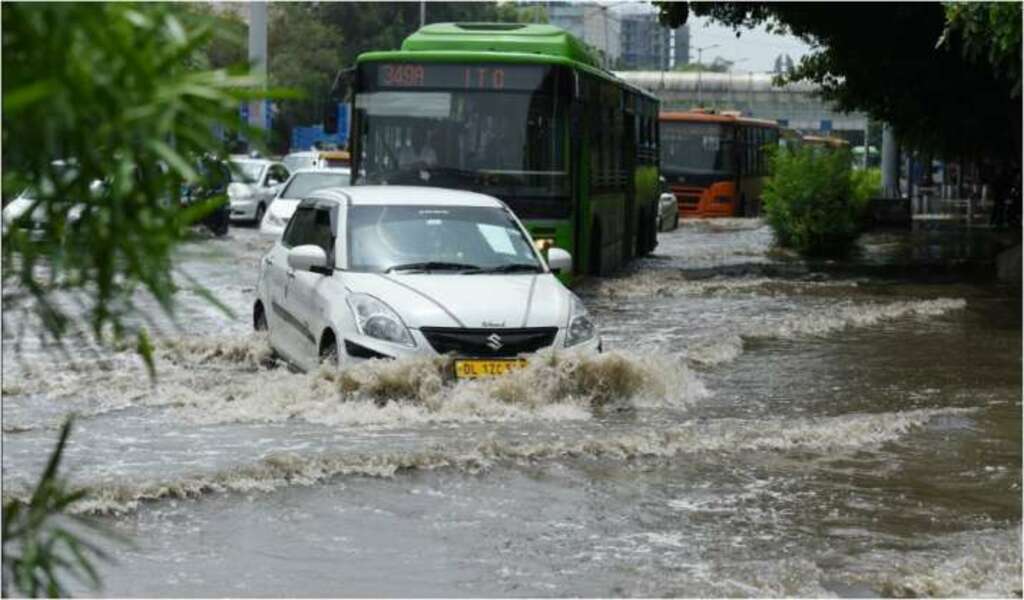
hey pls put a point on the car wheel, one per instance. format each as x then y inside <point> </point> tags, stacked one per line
<point>329,350</point>
<point>260,209</point>
<point>259,318</point>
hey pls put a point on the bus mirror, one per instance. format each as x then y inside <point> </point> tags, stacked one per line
<point>559,261</point>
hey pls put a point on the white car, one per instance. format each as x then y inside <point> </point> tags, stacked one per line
<point>668,207</point>
<point>295,161</point>
<point>668,212</point>
<point>392,271</point>
<point>300,185</point>
<point>254,183</point>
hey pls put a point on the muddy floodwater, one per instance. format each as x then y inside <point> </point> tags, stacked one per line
<point>754,428</point>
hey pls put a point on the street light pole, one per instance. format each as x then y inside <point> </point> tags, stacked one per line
<point>700,68</point>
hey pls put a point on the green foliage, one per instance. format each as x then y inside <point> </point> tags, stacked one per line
<point>867,183</point>
<point>988,32</point>
<point>113,90</point>
<point>714,67</point>
<point>43,543</point>
<point>885,59</point>
<point>815,202</point>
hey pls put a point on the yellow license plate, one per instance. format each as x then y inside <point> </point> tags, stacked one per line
<point>472,369</point>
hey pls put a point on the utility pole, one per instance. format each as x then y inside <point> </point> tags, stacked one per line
<point>258,60</point>
<point>867,146</point>
<point>700,68</point>
<point>423,13</point>
<point>890,163</point>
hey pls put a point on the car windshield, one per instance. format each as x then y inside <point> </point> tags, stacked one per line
<point>303,184</point>
<point>697,148</point>
<point>245,172</point>
<point>437,238</point>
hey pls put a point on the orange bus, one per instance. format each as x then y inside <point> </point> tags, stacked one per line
<point>826,142</point>
<point>715,164</point>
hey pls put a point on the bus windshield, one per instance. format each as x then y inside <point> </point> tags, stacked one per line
<point>505,142</point>
<point>697,148</point>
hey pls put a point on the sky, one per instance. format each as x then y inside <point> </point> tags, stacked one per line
<point>754,51</point>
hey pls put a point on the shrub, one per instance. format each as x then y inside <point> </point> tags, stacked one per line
<point>815,202</point>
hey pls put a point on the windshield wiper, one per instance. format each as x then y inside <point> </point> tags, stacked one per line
<point>512,268</point>
<point>433,266</point>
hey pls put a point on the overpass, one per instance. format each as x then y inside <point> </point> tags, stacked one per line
<point>795,105</point>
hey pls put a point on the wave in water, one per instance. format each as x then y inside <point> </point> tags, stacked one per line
<point>828,436</point>
<point>849,315</point>
<point>726,348</point>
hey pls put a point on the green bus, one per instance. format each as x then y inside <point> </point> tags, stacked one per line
<point>521,112</point>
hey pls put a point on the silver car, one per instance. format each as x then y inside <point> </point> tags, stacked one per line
<point>254,183</point>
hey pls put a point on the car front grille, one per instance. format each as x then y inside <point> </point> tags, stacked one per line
<point>488,342</point>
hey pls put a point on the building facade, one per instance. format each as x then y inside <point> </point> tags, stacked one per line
<point>593,23</point>
<point>648,45</point>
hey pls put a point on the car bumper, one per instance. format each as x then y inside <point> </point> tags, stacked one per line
<point>243,210</point>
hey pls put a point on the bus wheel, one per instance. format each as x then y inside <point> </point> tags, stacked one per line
<point>595,250</point>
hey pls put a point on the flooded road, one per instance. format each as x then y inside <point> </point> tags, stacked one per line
<point>753,430</point>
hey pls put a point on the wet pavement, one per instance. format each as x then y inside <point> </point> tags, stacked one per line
<point>758,427</point>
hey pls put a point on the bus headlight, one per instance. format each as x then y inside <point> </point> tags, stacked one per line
<point>581,328</point>
<point>376,319</point>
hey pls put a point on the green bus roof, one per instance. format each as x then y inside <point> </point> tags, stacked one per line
<point>500,37</point>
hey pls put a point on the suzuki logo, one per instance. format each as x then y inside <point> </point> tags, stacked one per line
<point>494,341</point>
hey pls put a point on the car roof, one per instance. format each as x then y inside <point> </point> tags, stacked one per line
<point>262,161</point>
<point>404,195</point>
<point>304,170</point>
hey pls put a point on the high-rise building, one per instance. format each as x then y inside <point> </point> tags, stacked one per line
<point>593,23</point>
<point>648,45</point>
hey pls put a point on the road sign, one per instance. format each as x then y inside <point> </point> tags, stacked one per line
<point>344,112</point>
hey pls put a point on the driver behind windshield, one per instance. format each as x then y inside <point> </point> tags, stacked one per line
<point>421,152</point>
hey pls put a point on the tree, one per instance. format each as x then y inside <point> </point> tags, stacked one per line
<point>303,55</point>
<point>112,91</point>
<point>719,65</point>
<point>938,97</point>
<point>788,65</point>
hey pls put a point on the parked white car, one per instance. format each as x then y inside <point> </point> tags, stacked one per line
<point>668,207</point>
<point>300,185</point>
<point>254,183</point>
<point>392,271</point>
<point>668,212</point>
<point>295,161</point>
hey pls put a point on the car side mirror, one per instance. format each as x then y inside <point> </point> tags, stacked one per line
<point>559,261</point>
<point>308,257</point>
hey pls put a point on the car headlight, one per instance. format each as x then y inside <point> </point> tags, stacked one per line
<point>581,328</point>
<point>239,191</point>
<point>376,319</point>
